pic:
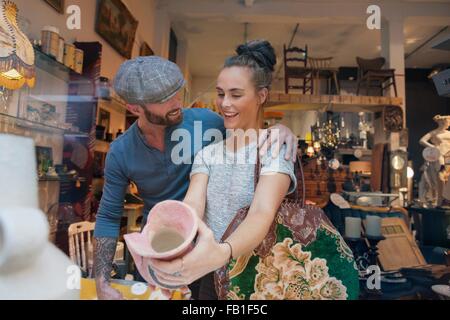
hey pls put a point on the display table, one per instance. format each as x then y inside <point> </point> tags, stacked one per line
<point>432,225</point>
<point>132,212</point>
<point>418,284</point>
<point>130,290</point>
<point>337,216</point>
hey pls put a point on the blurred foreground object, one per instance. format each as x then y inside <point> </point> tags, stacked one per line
<point>31,267</point>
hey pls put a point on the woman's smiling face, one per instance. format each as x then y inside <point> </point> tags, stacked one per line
<point>237,98</point>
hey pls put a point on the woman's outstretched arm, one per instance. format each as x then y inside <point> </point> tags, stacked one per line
<point>196,194</point>
<point>424,141</point>
<point>208,255</point>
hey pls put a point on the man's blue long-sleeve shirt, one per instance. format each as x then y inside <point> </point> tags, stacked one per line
<point>156,175</point>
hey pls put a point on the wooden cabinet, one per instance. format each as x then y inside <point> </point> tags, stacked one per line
<point>321,181</point>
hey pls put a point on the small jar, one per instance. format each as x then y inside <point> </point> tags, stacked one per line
<point>103,88</point>
<point>50,41</point>
<point>69,56</point>
<point>79,57</point>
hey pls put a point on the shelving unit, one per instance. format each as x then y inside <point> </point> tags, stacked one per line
<point>51,65</point>
<point>37,126</point>
<point>72,102</point>
<point>117,111</point>
<point>284,102</point>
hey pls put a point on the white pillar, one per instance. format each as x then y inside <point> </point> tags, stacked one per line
<point>183,57</point>
<point>162,33</point>
<point>183,63</point>
<point>392,48</point>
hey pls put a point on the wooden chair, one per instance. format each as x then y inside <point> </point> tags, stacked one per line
<point>371,73</point>
<point>80,244</point>
<point>295,67</point>
<point>322,69</point>
<point>81,249</point>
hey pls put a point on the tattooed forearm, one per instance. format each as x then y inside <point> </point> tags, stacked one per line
<point>105,249</point>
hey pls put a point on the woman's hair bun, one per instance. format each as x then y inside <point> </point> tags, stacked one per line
<point>261,51</point>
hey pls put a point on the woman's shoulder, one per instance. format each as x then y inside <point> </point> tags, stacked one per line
<point>281,154</point>
<point>268,160</point>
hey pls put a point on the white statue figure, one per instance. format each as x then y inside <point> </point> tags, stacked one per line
<point>364,128</point>
<point>434,186</point>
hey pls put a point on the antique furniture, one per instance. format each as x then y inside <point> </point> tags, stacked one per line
<point>399,249</point>
<point>81,248</point>
<point>295,68</point>
<point>322,69</point>
<point>80,243</point>
<point>371,74</point>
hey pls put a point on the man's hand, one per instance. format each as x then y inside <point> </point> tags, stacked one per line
<point>106,292</point>
<point>276,136</point>
<point>105,249</point>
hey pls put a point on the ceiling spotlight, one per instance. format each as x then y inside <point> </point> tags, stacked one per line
<point>438,68</point>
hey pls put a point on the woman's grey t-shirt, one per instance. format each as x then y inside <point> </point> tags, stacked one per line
<point>231,180</point>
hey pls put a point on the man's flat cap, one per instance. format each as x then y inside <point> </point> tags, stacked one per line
<point>147,80</point>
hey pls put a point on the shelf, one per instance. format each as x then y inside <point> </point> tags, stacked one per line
<point>101,146</point>
<point>300,102</point>
<point>102,141</point>
<point>38,126</point>
<point>347,151</point>
<point>114,103</point>
<point>61,179</point>
<point>48,179</point>
<point>51,65</point>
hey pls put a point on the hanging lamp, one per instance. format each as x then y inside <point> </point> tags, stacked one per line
<point>16,51</point>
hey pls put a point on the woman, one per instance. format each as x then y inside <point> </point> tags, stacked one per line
<point>222,178</point>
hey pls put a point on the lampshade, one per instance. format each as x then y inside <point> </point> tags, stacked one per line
<point>273,115</point>
<point>16,51</point>
<point>361,166</point>
<point>310,151</point>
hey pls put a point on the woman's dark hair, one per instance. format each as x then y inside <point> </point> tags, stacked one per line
<point>259,56</point>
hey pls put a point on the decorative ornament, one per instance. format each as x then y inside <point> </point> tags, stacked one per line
<point>16,51</point>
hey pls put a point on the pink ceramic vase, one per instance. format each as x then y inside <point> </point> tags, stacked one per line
<point>170,215</point>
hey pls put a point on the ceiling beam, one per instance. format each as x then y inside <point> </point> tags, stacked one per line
<point>353,12</point>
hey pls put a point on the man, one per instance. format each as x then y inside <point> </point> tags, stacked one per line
<point>144,154</point>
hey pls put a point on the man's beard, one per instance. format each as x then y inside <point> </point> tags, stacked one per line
<point>163,121</point>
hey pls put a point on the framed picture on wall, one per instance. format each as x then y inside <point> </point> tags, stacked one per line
<point>116,25</point>
<point>146,50</point>
<point>58,5</point>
